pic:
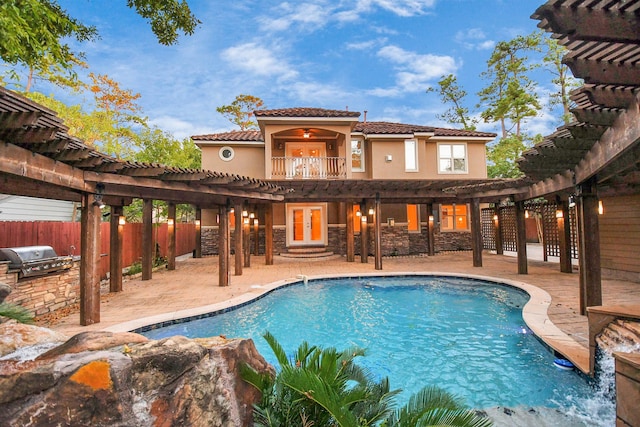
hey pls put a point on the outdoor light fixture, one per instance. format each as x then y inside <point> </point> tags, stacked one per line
<point>245,213</point>
<point>559,214</point>
<point>371,211</point>
<point>306,134</point>
<point>255,222</point>
<point>600,207</point>
<point>122,220</point>
<point>252,215</point>
<point>363,219</point>
<point>495,218</point>
<point>358,213</point>
<point>246,221</point>
<point>526,214</point>
<point>97,198</point>
<point>170,221</point>
<point>232,210</point>
<point>572,201</point>
<point>431,218</point>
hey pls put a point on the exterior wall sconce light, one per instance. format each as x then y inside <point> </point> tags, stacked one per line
<point>280,146</point>
<point>371,211</point>
<point>170,222</point>
<point>559,214</point>
<point>526,214</point>
<point>572,201</point>
<point>122,220</point>
<point>252,215</point>
<point>431,218</point>
<point>600,207</point>
<point>388,158</point>
<point>495,218</point>
<point>197,223</point>
<point>245,213</point>
<point>306,134</point>
<point>363,219</point>
<point>97,198</point>
<point>358,213</point>
<point>391,222</point>
<point>246,221</point>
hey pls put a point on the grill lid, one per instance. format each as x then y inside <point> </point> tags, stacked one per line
<point>18,256</point>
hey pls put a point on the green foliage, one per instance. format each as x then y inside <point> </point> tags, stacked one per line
<point>240,111</point>
<point>451,93</point>
<point>32,34</point>
<point>502,157</point>
<point>157,146</point>
<point>325,387</point>
<point>562,77</point>
<point>166,17</point>
<point>15,312</point>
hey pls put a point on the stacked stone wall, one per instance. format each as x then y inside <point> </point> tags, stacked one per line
<point>43,294</point>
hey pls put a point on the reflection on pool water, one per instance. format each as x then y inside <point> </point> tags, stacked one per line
<point>465,335</point>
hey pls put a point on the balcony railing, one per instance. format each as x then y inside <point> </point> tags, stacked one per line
<point>308,167</point>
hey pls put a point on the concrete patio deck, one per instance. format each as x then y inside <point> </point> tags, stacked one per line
<point>553,312</point>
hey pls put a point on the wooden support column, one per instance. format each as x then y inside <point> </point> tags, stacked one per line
<point>497,227</point>
<point>256,235</point>
<point>224,246</point>
<point>476,233</point>
<point>238,239</point>
<point>431,235</point>
<point>590,268</point>
<point>378,233</point>
<point>116,231</point>
<point>564,235</point>
<point>268,234</point>
<point>246,235</point>
<point>521,239</point>
<point>148,251</point>
<point>198,243</point>
<point>171,236</point>
<point>90,261</point>
<point>364,235</point>
<point>350,232</point>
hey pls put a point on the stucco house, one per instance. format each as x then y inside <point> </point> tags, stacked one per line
<point>299,147</point>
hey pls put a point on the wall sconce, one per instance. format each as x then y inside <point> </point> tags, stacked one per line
<point>526,214</point>
<point>363,219</point>
<point>170,222</point>
<point>280,146</point>
<point>371,211</point>
<point>245,213</point>
<point>197,222</point>
<point>391,222</point>
<point>122,220</point>
<point>252,215</point>
<point>233,211</point>
<point>256,223</point>
<point>559,214</point>
<point>246,221</point>
<point>217,218</point>
<point>388,158</point>
<point>495,218</point>
<point>431,218</point>
<point>358,213</point>
<point>330,146</point>
<point>572,201</point>
<point>600,207</point>
<point>306,134</point>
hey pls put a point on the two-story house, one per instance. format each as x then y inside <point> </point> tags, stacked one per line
<point>333,162</point>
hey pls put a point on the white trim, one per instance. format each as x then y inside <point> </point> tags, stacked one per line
<point>466,159</point>
<point>289,207</point>
<point>415,155</point>
<point>363,168</point>
<point>396,135</point>
<point>464,138</point>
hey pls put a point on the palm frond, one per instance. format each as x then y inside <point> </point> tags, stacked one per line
<point>277,349</point>
<point>16,312</point>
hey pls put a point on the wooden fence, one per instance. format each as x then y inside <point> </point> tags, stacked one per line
<point>64,237</point>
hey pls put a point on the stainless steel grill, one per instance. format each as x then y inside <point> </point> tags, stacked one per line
<point>35,260</point>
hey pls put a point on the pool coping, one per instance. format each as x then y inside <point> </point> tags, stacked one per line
<point>534,312</point>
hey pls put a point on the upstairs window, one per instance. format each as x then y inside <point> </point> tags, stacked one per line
<point>410,155</point>
<point>454,217</point>
<point>452,158</point>
<point>357,155</point>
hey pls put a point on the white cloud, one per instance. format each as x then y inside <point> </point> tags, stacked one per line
<point>258,60</point>
<point>415,70</point>
<point>306,15</point>
<point>474,39</point>
<point>404,8</point>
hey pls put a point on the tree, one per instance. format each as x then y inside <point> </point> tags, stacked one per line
<point>240,111</point>
<point>563,79</point>
<point>451,93</point>
<point>325,387</point>
<point>33,33</point>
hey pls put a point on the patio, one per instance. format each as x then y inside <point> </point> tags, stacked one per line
<point>192,289</point>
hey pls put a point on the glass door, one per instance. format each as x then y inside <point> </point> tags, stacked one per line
<point>306,225</point>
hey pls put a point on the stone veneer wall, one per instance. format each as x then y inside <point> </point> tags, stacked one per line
<point>396,241</point>
<point>43,294</point>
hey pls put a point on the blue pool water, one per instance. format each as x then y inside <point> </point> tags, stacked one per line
<point>465,335</point>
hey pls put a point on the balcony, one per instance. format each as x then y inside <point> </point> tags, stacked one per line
<point>308,168</point>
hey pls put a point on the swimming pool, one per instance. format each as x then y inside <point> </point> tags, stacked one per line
<point>465,335</point>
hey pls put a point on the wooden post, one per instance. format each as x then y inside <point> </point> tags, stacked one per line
<point>268,234</point>
<point>246,234</point>
<point>256,236</point>
<point>171,236</point>
<point>350,232</point>
<point>564,234</point>
<point>148,251</point>
<point>116,231</point>
<point>90,261</point>
<point>476,233</point>
<point>198,248</point>
<point>590,268</point>
<point>378,233</point>
<point>521,239</point>
<point>497,226</point>
<point>364,235</point>
<point>223,246</point>
<point>238,239</point>
<point>431,243</point>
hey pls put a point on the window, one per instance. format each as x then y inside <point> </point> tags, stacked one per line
<point>410,155</point>
<point>226,154</point>
<point>454,217</point>
<point>413,218</point>
<point>452,158</point>
<point>357,155</point>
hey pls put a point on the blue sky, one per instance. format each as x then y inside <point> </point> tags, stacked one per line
<point>374,55</point>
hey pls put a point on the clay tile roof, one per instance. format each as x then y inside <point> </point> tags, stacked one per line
<point>236,135</point>
<point>306,112</point>
<point>389,128</point>
<point>462,132</point>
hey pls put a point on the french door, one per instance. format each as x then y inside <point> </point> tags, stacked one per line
<point>306,224</point>
<point>305,160</point>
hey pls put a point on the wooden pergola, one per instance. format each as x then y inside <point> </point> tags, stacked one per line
<point>38,158</point>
